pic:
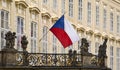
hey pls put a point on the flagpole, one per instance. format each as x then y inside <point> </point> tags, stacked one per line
<point>44,35</point>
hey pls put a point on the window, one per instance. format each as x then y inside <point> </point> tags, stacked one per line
<point>55,4</point>
<point>111,21</point>
<point>4,19</point>
<point>45,1</point>
<point>63,6</point>
<point>118,24</point>
<point>44,41</point>
<point>104,18</point>
<point>71,8</point>
<point>54,44</point>
<point>80,10</point>
<point>89,12</point>
<point>97,47</point>
<point>4,15</point>
<point>33,36</point>
<point>97,15</point>
<point>118,59</point>
<point>20,22</point>
<point>62,49</point>
<point>111,57</point>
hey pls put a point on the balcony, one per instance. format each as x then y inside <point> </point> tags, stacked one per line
<point>11,59</point>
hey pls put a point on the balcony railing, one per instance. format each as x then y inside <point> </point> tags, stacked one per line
<point>49,59</point>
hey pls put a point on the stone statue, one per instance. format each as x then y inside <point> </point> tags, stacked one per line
<point>24,42</point>
<point>13,39</point>
<point>70,54</point>
<point>10,39</point>
<point>74,58</point>
<point>84,46</point>
<point>102,54</point>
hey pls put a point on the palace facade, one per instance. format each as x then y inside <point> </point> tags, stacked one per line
<point>94,20</point>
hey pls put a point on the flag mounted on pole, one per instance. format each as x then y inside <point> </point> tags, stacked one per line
<point>64,31</point>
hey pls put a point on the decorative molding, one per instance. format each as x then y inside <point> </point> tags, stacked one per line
<point>54,19</point>
<point>46,14</point>
<point>21,3</point>
<point>98,34</point>
<point>90,32</point>
<point>81,29</point>
<point>97,0</point>
<point>10,0</point>
<point>117,1</point>
<point>112,37</point>
<point>105,36</point>
<point>35,9</point>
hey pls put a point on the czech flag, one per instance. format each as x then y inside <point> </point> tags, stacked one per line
<point>64,31</point>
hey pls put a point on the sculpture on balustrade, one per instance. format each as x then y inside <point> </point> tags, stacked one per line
<point>84,47</point>
<point>24,42</point>
<point>70,54</point>
<point>10,39</point>
<point>102,53</point>
<point>72,58</point>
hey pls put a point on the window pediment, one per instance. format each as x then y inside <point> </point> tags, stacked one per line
<point>90,32</point>
<point>105,36</point>
<point>117,1</point>
<point>81,29</point>
<point>37,10</point>
<point>54,19</point>
<point>9,0</point>
<point>23,3</point>
<point>46,14</point>
<point>112,38</point>
<point>118,40</point>
<point>73,26</point>
<point>98,34</point>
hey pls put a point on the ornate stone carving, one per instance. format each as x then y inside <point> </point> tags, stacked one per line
<point>10,39</point>
<point>72,58</point>
<point>84,47</point>
<point>24,42</point>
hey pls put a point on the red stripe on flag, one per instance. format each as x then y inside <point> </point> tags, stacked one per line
<point>62,36</point>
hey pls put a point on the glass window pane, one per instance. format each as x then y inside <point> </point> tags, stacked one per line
<point>21,25</point>
<point>31,29</point>
<point>2,19</point>
<point>18,25</point>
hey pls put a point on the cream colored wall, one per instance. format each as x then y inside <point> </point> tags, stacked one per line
<point>81,26</point>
